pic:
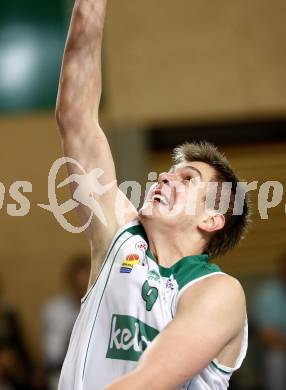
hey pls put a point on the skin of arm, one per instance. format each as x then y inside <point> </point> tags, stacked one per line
<point>210,315</point>
<point>77,118</point>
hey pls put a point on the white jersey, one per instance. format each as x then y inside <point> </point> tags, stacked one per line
<point>132,301</point>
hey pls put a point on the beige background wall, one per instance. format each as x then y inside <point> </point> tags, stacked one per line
<point>34,248</point>
<point>194,59</point>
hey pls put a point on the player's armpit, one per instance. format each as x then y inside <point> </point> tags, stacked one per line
<point>93,185</point>
<point>210,315</point>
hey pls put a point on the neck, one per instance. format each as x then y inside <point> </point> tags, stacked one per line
<point>170,245</point>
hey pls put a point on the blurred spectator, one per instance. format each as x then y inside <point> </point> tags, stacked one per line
<point>59,315</point>
<point>270,320</point>
<point>14,361</point>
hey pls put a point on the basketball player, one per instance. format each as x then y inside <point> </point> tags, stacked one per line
<point>157,314</point>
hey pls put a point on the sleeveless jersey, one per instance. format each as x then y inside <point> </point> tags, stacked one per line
<point>131,302</point>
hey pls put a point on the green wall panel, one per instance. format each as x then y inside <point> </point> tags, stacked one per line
<point>32,35</point>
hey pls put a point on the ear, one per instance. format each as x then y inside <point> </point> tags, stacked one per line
<point>212,222</point>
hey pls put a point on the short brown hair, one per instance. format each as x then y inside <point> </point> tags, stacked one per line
<point>235,225</point>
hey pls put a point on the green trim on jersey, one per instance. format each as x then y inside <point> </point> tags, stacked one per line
<point>138,230</point>
<point>185,270</point>
<point>220,369</point>
<point>189,268</point>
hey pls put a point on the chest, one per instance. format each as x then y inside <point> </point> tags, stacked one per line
<point>136,286</point>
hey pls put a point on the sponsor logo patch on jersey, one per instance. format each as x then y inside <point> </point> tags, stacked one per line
<point>153,275</point>
<point>129,263</point>
<point>129,337</point>
<point>171,284</point>
<point>142,246</point>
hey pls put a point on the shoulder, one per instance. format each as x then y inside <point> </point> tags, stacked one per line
<point>224,283</point>
<point>217,287</point>
<point>220,295</point>
<point>133,228</point>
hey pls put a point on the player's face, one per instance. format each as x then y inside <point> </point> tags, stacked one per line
<point>179,196</point>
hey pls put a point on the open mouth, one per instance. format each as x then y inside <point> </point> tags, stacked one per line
<point>160,199</point>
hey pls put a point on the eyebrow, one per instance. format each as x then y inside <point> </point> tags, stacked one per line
<point>190,167</point>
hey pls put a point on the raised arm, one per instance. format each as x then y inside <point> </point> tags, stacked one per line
<point>80,83</point>
<point>77,118</point>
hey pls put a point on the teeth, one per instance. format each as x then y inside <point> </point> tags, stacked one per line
<point>161,199</point>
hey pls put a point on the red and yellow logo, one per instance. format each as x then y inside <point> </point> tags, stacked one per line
<point>129,263</point>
